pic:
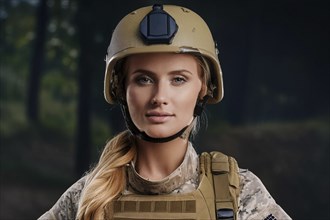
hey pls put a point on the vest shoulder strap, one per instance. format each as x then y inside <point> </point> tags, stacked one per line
<point>223,172</point>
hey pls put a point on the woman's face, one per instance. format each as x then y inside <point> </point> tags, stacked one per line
<point>161,91</point>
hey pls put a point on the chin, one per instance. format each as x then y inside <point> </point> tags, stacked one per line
<point>158,133</point>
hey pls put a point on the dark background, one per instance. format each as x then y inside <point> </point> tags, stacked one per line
<point>274,118</point>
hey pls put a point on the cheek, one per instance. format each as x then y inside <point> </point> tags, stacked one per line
<point>131,96</point>
<point>190,97</point>
<point>135,98</point>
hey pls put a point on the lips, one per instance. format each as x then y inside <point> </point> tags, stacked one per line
<point>159,117</point>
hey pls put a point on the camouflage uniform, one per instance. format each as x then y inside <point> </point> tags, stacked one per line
<point>255,201</point>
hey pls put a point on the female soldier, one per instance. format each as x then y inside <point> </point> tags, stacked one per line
<point>162,67</point>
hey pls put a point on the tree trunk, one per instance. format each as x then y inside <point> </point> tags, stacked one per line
<point>37,62</point>
<point>83,145</point>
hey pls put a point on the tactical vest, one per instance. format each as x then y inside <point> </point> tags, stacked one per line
<point>215,198</point>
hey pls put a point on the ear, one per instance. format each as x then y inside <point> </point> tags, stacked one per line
<point>203,91</point>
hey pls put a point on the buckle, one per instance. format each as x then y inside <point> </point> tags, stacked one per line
<point>225,214</point>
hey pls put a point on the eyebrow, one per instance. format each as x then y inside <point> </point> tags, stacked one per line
<point>153,73</point>
<point>143,71</point>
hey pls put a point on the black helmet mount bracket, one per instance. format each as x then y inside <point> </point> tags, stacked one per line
<point>158,27</point>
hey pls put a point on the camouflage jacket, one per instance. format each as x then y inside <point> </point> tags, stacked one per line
<point>255,202</point>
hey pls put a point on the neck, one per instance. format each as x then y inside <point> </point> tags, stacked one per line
<point>155,161</point>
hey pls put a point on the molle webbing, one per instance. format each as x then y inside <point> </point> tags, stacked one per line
<point>226,185</point>
<point>187,206</point>
<point>186,209</point>
<point>198,204</point>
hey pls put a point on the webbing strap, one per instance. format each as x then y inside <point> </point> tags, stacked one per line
<point>226,185</point>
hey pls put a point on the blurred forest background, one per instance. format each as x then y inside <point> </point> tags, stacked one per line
<point>274,118</point>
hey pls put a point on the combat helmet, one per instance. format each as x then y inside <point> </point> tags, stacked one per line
<point>162,28</point>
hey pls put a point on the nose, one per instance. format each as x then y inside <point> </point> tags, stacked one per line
<point>160,94</point>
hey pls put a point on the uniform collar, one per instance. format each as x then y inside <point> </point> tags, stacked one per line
<point>187,171</point>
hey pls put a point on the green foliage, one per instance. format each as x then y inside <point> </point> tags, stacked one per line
<point>16,37</point>
<point>100,134</point>
<point>17,34</point>
<point>58,91</point>
<point>13,119</point>
<point>58,104</point>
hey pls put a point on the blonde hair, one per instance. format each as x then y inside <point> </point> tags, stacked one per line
<point>108,179</point>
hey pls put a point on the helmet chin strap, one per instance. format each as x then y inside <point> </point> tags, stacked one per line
<point>183,133</point>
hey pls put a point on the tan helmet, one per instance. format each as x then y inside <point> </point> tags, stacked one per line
<point>141,31</point>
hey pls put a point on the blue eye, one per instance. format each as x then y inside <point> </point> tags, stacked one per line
<point>143,80</point>
<point>178,80</point>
